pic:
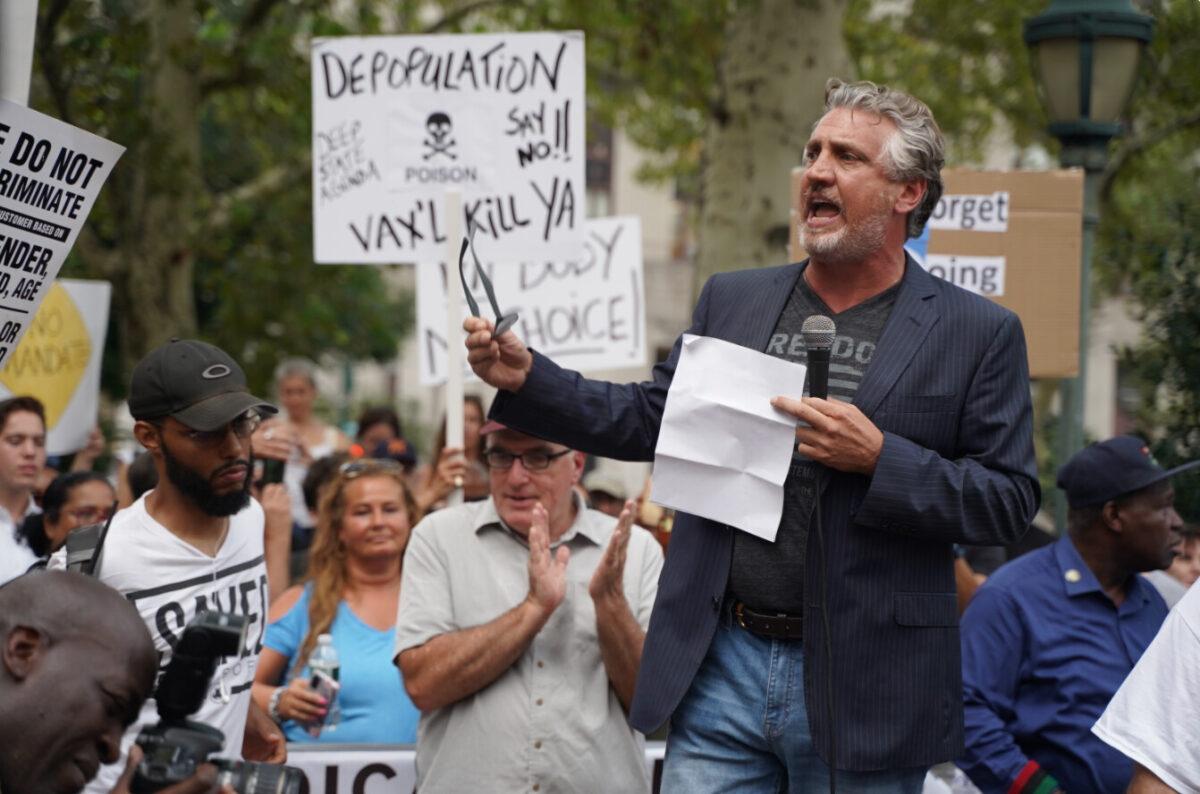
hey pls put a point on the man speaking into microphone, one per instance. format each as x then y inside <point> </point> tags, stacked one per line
<point>925,439</point>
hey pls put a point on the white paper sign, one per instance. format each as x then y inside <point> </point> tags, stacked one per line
<point>585,312</point>
<point>397,119</point>
<point>983,275</point>
<point>986,213</point>
<point>723,452</point>
<point>50,175</point>
<point>58,361</point>
<point>384,769</point>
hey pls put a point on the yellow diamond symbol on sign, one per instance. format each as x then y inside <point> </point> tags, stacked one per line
<point>52,356</point>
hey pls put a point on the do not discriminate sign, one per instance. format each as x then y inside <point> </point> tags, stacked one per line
<point>397,120</point>
<point>50,175</point>
<point>585,312</point>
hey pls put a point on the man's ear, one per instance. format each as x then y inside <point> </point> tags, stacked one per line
<point>911,195</point>
<point>24,648</point>
<point>1110,514</point>
<point>147,435</point>
<point>578,460</point>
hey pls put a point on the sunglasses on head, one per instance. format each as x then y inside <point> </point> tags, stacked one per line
<point>357,468</point>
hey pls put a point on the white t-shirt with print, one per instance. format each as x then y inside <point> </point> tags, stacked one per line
<point>15,556</point>
<point>169,581</point>
<point>1153,717</point>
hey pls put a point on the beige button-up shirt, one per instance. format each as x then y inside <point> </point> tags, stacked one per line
<point>551,722</point>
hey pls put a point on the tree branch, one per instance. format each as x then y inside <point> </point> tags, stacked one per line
<point>1137,146</point>
<point>269,181</point>
<point>462,12</point>
<point>48,57</point>
<point>240,72</point>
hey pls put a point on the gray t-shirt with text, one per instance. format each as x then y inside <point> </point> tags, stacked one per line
<point>769,577</point>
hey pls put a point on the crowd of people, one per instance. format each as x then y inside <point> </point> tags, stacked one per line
<point>525,625</point>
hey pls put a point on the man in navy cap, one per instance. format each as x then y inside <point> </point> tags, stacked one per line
<point>1049,638</point>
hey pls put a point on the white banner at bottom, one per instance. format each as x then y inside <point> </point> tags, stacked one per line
<point>386,768</point>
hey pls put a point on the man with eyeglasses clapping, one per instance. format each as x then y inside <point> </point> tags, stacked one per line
<point>195,542</point>
<point>520,631</point>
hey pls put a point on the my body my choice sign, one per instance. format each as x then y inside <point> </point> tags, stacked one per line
<point>586,312</point>
<point>397,120</point>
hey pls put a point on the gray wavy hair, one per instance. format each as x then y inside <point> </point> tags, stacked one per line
<point>916,150</point>
<point>296,367</point>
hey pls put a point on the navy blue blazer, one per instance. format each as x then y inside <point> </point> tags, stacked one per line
<point>949,387</point>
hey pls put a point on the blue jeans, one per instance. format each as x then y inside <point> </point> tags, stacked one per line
<point>743,727</point>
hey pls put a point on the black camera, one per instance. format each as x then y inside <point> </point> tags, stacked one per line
<point>175,746</point>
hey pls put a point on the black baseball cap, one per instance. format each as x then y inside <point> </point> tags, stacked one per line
<point>194,382</point>
<point>1106,470</point>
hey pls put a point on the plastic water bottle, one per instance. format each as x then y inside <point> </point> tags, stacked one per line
<point>324,658</point>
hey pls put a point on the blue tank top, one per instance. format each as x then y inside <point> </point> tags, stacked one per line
<point>375,707</point>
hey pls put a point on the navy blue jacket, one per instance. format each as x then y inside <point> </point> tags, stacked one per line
<point>949,387</point>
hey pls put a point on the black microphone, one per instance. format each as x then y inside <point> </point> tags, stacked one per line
<point>818,331</point>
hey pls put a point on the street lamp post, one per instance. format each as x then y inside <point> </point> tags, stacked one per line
<point>1085,55</point>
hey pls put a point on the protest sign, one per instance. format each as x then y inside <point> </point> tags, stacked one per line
<point>585,312</point>
<point>58,361</point>
<point>50,175</point>
<point>1014,237</point>
<point>387,769</point>
<point>398,119</point>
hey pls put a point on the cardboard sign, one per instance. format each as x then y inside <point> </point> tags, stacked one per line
<point>585,312</point>
<point>1015,237</point>
<point>398,119</point>
<point>58,361</point>
<point>50,175</point>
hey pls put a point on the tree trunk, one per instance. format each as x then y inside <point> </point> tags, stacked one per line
<point>778,55</point>
<point>159,192</point>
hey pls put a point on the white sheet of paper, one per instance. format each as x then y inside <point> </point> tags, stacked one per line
<point>723,452</point>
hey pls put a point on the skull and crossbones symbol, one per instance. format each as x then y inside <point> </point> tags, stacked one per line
<point>439,141</point>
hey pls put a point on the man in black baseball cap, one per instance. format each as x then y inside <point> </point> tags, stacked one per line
<point>195,541</point>
<point>1049,637</point>
<point>194,382</point>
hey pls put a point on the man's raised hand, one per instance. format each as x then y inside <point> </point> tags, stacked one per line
<point>502,362</point>
<point>547,571</point>
<point>608,579</point>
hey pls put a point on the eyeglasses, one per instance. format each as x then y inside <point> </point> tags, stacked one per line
<point>90,515</point>
<point>357,468</point>
<point>243,427</point>
<point>535,460</point>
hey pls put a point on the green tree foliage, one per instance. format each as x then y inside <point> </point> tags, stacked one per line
<point>205,225</point>
<point>1150,242</point>
<point>651,68</point>
<point>964,58</point>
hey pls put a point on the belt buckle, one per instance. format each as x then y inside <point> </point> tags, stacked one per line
<point>737,614</point>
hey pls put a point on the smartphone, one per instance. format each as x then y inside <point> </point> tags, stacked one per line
<point>272,470</point>
<point>327,688</point>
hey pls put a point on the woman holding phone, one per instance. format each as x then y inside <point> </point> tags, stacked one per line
<point>352,590</point>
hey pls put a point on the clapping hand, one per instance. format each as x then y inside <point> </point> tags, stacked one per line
<point>610,573</point>
<point>547,571</point>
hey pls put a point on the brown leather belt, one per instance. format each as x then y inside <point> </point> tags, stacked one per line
<point>778,627</point>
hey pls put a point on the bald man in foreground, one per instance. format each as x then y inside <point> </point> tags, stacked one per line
<point>76,664</point>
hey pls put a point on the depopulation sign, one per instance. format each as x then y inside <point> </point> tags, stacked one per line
<point>398,120</point>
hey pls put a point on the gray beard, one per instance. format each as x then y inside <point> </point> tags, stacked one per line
<point>849,244</point>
